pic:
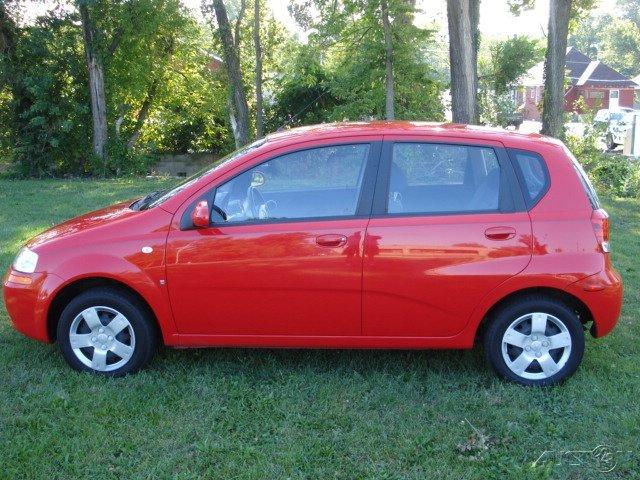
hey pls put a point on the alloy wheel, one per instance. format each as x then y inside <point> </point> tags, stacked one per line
<point>102,338</point>
<point>536,346</point>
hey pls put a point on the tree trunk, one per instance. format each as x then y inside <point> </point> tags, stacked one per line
<point>388,60</point>
<point>554,66</point>
<point>462,18</point>
<point>96,85</point>
<point>7,29</point>
<point>258,49</point>
<point>474,16</point>
<point>143,113</point>
<point>232,64</point>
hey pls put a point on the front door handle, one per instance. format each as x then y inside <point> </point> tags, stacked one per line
<point>500,233</point>
<point>331,240</point>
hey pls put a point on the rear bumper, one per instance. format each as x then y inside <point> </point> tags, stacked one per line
<point>602,294</point>
<point>27,304</point>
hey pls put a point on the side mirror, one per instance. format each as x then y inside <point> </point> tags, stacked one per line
<point>200,216</point>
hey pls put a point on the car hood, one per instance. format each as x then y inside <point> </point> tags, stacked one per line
<point>83,223</point>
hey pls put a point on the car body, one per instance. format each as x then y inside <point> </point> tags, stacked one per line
<point>618,128</point>
<point>356,235</point>
<point>604,116</point>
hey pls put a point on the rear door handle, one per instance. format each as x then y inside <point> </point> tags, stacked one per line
<point>331,240</point>
<point>500,233</point>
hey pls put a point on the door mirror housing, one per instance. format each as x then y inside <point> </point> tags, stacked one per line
<point>201,216</point>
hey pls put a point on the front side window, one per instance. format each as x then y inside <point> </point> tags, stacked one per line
<point>439,178</point>
<point>313,183</point>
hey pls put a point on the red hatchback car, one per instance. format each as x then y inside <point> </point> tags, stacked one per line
<point>356,235</point>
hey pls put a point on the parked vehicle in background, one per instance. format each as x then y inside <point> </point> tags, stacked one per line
<point>357,235</point>
<point>617,129</point>
<point>604,116</point>
<point>515,119</point>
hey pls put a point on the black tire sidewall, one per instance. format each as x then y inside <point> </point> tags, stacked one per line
<point>505,316</point>
<point>122,302</point>
<point>610,143</point>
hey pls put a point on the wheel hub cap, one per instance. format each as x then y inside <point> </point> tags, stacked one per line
<point>102,338</point>
<point>536,346</point>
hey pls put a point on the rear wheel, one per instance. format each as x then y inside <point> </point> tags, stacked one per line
<point>106,331</point>
<point>536,341</point>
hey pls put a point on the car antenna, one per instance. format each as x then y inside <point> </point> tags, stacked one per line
<point>293,118</point>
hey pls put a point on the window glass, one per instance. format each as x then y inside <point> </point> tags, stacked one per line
<point>584,180</point>
<point>432,178</point>
<point>318,182</point>
<point>534,175</point>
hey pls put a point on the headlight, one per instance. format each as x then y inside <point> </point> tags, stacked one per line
<point>26,261</point>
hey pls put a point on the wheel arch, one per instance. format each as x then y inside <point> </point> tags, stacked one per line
<point>76,287</point>
<point>573,302</point>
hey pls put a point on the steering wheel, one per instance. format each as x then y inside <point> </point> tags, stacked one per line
<point>257,203</point>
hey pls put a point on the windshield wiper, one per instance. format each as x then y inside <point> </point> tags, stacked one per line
<point>147,200</point>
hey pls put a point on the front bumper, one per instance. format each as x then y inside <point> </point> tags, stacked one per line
<point>28,303</point>
<point>602,294</point>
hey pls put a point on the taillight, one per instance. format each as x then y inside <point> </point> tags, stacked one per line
<point>600,222</point>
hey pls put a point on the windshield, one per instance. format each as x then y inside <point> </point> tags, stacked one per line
<point>156,198</point>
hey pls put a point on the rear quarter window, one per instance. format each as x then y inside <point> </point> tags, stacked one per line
<point>532,173</point>
<point>589,191</point>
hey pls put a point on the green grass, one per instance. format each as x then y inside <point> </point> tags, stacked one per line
<point>238,413</point>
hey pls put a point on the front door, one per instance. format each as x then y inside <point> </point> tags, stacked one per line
<point>286,259</point>
<point>614,99</point>
<point>444,233</point>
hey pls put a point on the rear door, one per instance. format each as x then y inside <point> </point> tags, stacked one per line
<point>448,226</point>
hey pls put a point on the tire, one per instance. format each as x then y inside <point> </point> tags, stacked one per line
<point>517,351</point>
<point>611,145</point>
<point>113,334</point>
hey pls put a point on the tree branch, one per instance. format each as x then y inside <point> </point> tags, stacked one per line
<point>236,34</point>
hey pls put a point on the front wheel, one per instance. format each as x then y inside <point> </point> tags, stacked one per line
<point>106,331</point>
<point>537,341</point>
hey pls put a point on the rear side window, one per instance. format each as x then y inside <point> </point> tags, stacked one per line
<point>429,178</point>
<point>533,174</point>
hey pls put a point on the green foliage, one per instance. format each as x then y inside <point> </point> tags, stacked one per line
<point>51,126</point>
<point>500,64</point>
<point>615,40</point>
<point>610,173</point>
<point>348,53</point>
<point>304,96</point>
<point>510,59</point>
<point>154,57</point>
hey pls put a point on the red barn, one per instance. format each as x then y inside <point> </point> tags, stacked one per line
<point>599,85</point>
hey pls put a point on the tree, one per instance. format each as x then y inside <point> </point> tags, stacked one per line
<point>388,60</point>
<point>462,17</point>
<point>562,13</point>
<point>12,74</point>
<point>96,81</point>
<point>160,92</point>
<point>258,74</point>
<point>501,63</point>
<point>554,66</point>
<point>230,48</point>
<point>390,69</point>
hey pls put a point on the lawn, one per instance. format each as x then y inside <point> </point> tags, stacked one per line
<point>238,413</point>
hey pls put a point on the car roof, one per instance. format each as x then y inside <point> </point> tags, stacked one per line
<point>396,127</point>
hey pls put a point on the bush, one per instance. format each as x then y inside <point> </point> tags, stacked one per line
<point>610,173</point>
